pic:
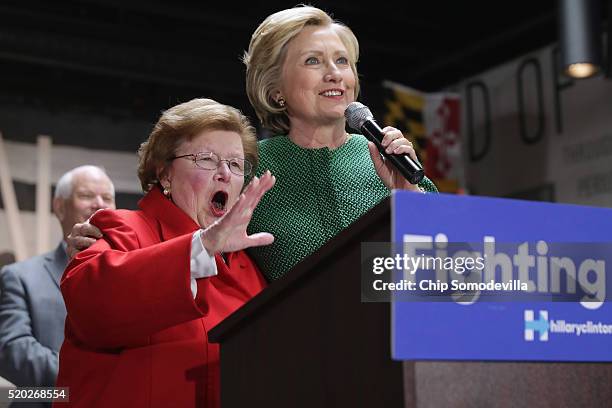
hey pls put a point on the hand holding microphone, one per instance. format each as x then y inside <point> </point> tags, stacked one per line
<point>359,117</point>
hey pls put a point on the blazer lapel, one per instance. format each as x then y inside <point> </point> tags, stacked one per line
<point>55,263</point>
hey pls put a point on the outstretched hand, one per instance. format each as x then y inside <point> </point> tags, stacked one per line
<point>229,233</point>
<point>394,142</point>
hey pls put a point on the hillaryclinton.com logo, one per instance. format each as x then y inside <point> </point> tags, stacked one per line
<point>539,325</point>
<point>543,326</point>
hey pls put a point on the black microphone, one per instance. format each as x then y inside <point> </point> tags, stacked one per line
<point>359,117</point>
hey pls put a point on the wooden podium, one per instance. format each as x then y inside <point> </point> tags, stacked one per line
<point>308,341</point>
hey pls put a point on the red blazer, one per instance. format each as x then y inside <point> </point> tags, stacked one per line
<point>135,337</point>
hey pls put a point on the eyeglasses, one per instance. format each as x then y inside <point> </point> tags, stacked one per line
<point>212,161</point>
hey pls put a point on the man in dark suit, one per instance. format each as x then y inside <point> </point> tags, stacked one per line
<point>32,311</point>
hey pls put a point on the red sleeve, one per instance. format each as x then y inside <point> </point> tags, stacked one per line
<point>117,293</point>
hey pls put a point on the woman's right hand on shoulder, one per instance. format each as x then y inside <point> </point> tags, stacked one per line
<point>82,236</point>
<point>229,233</point>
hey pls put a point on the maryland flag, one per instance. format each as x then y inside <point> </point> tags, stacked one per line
<point>431,122</point>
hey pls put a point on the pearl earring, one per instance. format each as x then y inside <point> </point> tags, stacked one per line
<point>281,101</point>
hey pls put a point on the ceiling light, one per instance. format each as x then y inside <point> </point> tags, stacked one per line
<point>580,37</point>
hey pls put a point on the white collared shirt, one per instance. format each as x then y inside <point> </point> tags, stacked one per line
<point>202,264</point>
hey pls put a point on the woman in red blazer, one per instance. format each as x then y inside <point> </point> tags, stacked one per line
<point>140,300</point>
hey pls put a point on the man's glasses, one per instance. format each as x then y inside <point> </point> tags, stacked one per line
<point>212,161</point>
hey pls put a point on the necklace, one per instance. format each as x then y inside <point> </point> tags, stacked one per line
<point>347,137</point>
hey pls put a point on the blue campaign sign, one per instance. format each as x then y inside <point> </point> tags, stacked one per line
<point>538,330</point>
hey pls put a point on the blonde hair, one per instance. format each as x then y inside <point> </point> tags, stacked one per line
<point>181,123</point>
<point>266,54</point>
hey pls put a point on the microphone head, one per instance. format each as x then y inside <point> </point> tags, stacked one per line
<point>356,114</point>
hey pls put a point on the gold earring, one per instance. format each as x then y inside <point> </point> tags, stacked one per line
<point>281,101</point>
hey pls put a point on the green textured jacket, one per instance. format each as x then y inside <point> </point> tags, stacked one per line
<point>318,193</point>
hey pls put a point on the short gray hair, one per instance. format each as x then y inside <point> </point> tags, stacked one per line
<point>64,186</point>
